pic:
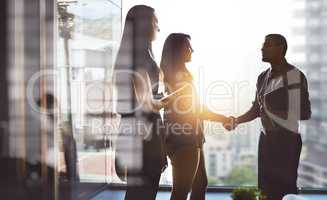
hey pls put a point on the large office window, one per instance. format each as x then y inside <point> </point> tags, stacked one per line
<point>227,37</point>
<point>88,38</point>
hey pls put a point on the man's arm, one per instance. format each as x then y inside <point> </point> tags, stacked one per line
<point>250,115</point>
<point>254,111</point>
<point>305,101</point>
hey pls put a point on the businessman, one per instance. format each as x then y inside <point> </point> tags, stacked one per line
<point>281,101</point>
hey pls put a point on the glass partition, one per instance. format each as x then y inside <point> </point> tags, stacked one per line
<point>88,38</point>
<point>227,38</point>
<point>225,65</point>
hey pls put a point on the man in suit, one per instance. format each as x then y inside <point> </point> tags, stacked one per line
<point>281,101</point>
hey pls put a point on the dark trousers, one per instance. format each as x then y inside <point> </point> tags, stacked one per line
<point>71,160</point>
<point>144,184</point>
<point>189,174</point>
<point>145,190</point>
<point>278,161</point>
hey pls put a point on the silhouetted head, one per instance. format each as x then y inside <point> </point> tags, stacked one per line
<point>141,22</point>
<point>50,103</point>
<point>144,20</point>
<point>49,99</point>
<point>274,48</point>
<point>141,25</point>
<point>177,50</point>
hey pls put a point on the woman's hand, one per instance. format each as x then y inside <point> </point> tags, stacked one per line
<point>157,104</point>
<point>143,91</point>
<point>230,124</point>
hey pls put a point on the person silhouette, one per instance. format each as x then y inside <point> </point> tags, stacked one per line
<point>183,119</point>
<point>140,157</point>
<point>66,139</point>
<point>281,101</point>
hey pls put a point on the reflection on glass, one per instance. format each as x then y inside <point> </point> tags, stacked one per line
<point>88,37</point>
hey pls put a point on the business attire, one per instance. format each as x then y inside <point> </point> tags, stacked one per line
<point>184,140</point>
<point>146,151</point>
<point>281,101</point>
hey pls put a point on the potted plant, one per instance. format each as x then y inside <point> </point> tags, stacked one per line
<point>247,194</point>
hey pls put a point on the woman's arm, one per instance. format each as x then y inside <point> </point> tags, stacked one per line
<point>143,91</point>
<point>207,114</point>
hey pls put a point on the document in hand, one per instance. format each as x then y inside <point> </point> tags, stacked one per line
<point>173,94</point>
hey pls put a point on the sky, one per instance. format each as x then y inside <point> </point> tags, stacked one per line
<point>226,37</point>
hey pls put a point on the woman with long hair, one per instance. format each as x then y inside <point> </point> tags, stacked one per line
<point>136,77</point>
<point>183,120</point>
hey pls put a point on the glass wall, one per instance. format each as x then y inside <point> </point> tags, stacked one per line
<point>313,168</point>
<point>227,38</point>
<point>88,38</point>
<point>55,96</point>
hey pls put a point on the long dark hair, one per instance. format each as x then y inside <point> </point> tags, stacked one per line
<point>136,38</point>
<point>132,54</point>
<point>172,58</point>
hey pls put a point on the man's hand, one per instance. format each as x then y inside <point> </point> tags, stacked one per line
<point>231,124</point>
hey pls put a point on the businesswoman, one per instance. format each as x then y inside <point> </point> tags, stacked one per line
<point>136,76</point>
<point>183,119</point>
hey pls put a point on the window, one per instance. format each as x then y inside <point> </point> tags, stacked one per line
<point>212,165</point>
<point>87,44</point>
<point>227,39</point>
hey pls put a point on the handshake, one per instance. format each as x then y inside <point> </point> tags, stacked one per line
<point>230,123</point>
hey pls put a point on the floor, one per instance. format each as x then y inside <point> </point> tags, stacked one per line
<point>118,195</point>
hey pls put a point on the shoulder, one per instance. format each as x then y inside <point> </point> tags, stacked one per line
<point>294,71</point>
<point>263,74</point>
